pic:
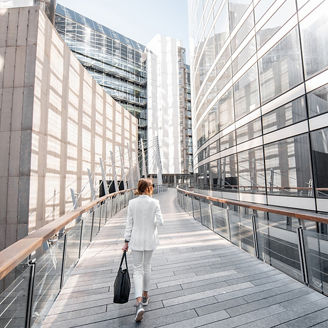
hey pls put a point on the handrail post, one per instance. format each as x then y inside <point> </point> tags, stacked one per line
<point>302,256</point>
<point>255,240</point>
<point>63,263</point>
<point>29,304</point>
<point>100,214</point>
<point>228,221</point>
<point>81,238</point>
<point>92,222</point>
<point>106,206</point>
<point>211,214</point>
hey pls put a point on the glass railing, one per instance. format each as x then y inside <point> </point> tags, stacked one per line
<point>295,242</point>
<point>34,269</point>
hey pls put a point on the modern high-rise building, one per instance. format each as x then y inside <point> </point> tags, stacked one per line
<point>113,60</point>
<point>121,66</point>
<point>169,108</point>
<point>260,110</point>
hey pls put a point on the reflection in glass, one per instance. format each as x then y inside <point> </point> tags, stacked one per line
<point>249,131</point>
<point>220,220</point>
<point>251,170</point>
<point>227,173</point>
<point>317,257</point>
<point>285,115</point>
<point>319,140</point>
<point>237,9</point>
<point>315,40</point>
<point>242,32</point>
<point>246,93</point>
<point>244,56</point>
<point>318,101</point>
<point>282,245</point>
<point>225,105</point>
<point>288,167</point>
<point>281,68</point>
<point>227,141</point>
<point>281,16</point>
<point>221,28</point>
<point>261,8</point>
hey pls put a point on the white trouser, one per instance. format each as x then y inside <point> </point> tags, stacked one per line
<point>141,271</point>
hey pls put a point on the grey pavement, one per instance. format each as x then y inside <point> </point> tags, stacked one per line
<point>199,279</point>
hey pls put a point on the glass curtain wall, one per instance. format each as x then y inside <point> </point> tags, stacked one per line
<point>260,100</point>
<point>113,60</point>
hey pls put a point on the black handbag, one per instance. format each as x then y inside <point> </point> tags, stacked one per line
<point>122,284</point>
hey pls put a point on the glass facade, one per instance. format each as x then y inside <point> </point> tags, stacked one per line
<point>260,89</point>
<point>113,60</point>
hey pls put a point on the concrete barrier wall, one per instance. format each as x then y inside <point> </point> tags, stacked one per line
<point>55,123</point>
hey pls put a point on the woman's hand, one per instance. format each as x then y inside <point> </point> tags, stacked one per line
<point>125,247</point>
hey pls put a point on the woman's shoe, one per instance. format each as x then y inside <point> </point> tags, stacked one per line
<point>139,312</point>
<point>145,300</point>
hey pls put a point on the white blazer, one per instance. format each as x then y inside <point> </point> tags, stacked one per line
<point>144,215</point>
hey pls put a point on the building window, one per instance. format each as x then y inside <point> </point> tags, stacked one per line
<point>288,167</point>
<point>246,93</point>
<point>315,40</point>
<point>318,101</point>
<point>251,170</point>
<point>281,68</point>
<point>249,131</point>
<point>319,140</point>
<point>285,115</point>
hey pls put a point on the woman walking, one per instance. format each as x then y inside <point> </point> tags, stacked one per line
<point>144,215</point>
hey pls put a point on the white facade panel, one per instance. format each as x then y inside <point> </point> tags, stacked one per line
<point>163,104</point>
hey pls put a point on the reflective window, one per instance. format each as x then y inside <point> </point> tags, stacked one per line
<point>213,121</point>
<point>244,56</point>
<point>281,67</point>
<point>214,175</point>
<point>301,3</point>
<point>251,170</point>
<point>288,167</point>
<point>221,28</point>
<point>246,93</point>
<point>227,141</point>
<point>225,105</point>
<point>223,80</point>
<point>285,115</point>
<point>222,60</point>
<point>249,131</point>
<point>227,173</point>
<point>275,22</point>
<point>237,9</point>
<point>261,8</point>
<point>242,32</point>
<point>214,148</point>
<point>319,140</point>
<point>318,101</point>
<point>315,40</point>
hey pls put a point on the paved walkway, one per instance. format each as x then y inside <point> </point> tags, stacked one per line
<point>199,279</point>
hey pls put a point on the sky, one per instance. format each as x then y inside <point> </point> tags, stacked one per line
<point>139,20</point>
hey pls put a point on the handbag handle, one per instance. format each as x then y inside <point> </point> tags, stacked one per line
<point>124,257</point>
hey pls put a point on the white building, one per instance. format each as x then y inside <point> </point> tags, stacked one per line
<point>167,104</point>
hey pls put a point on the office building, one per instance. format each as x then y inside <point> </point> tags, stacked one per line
<point>169,109</point>
<point>260,112</point>
<point>113,60</point>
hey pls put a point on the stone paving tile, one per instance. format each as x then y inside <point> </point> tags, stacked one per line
<point>300,310</point>
<point>198,280</point>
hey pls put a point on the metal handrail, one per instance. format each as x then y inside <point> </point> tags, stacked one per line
<point>13,255</point>
<point>299,214</point>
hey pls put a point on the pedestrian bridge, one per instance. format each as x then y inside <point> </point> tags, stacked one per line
<point>198,279</point>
